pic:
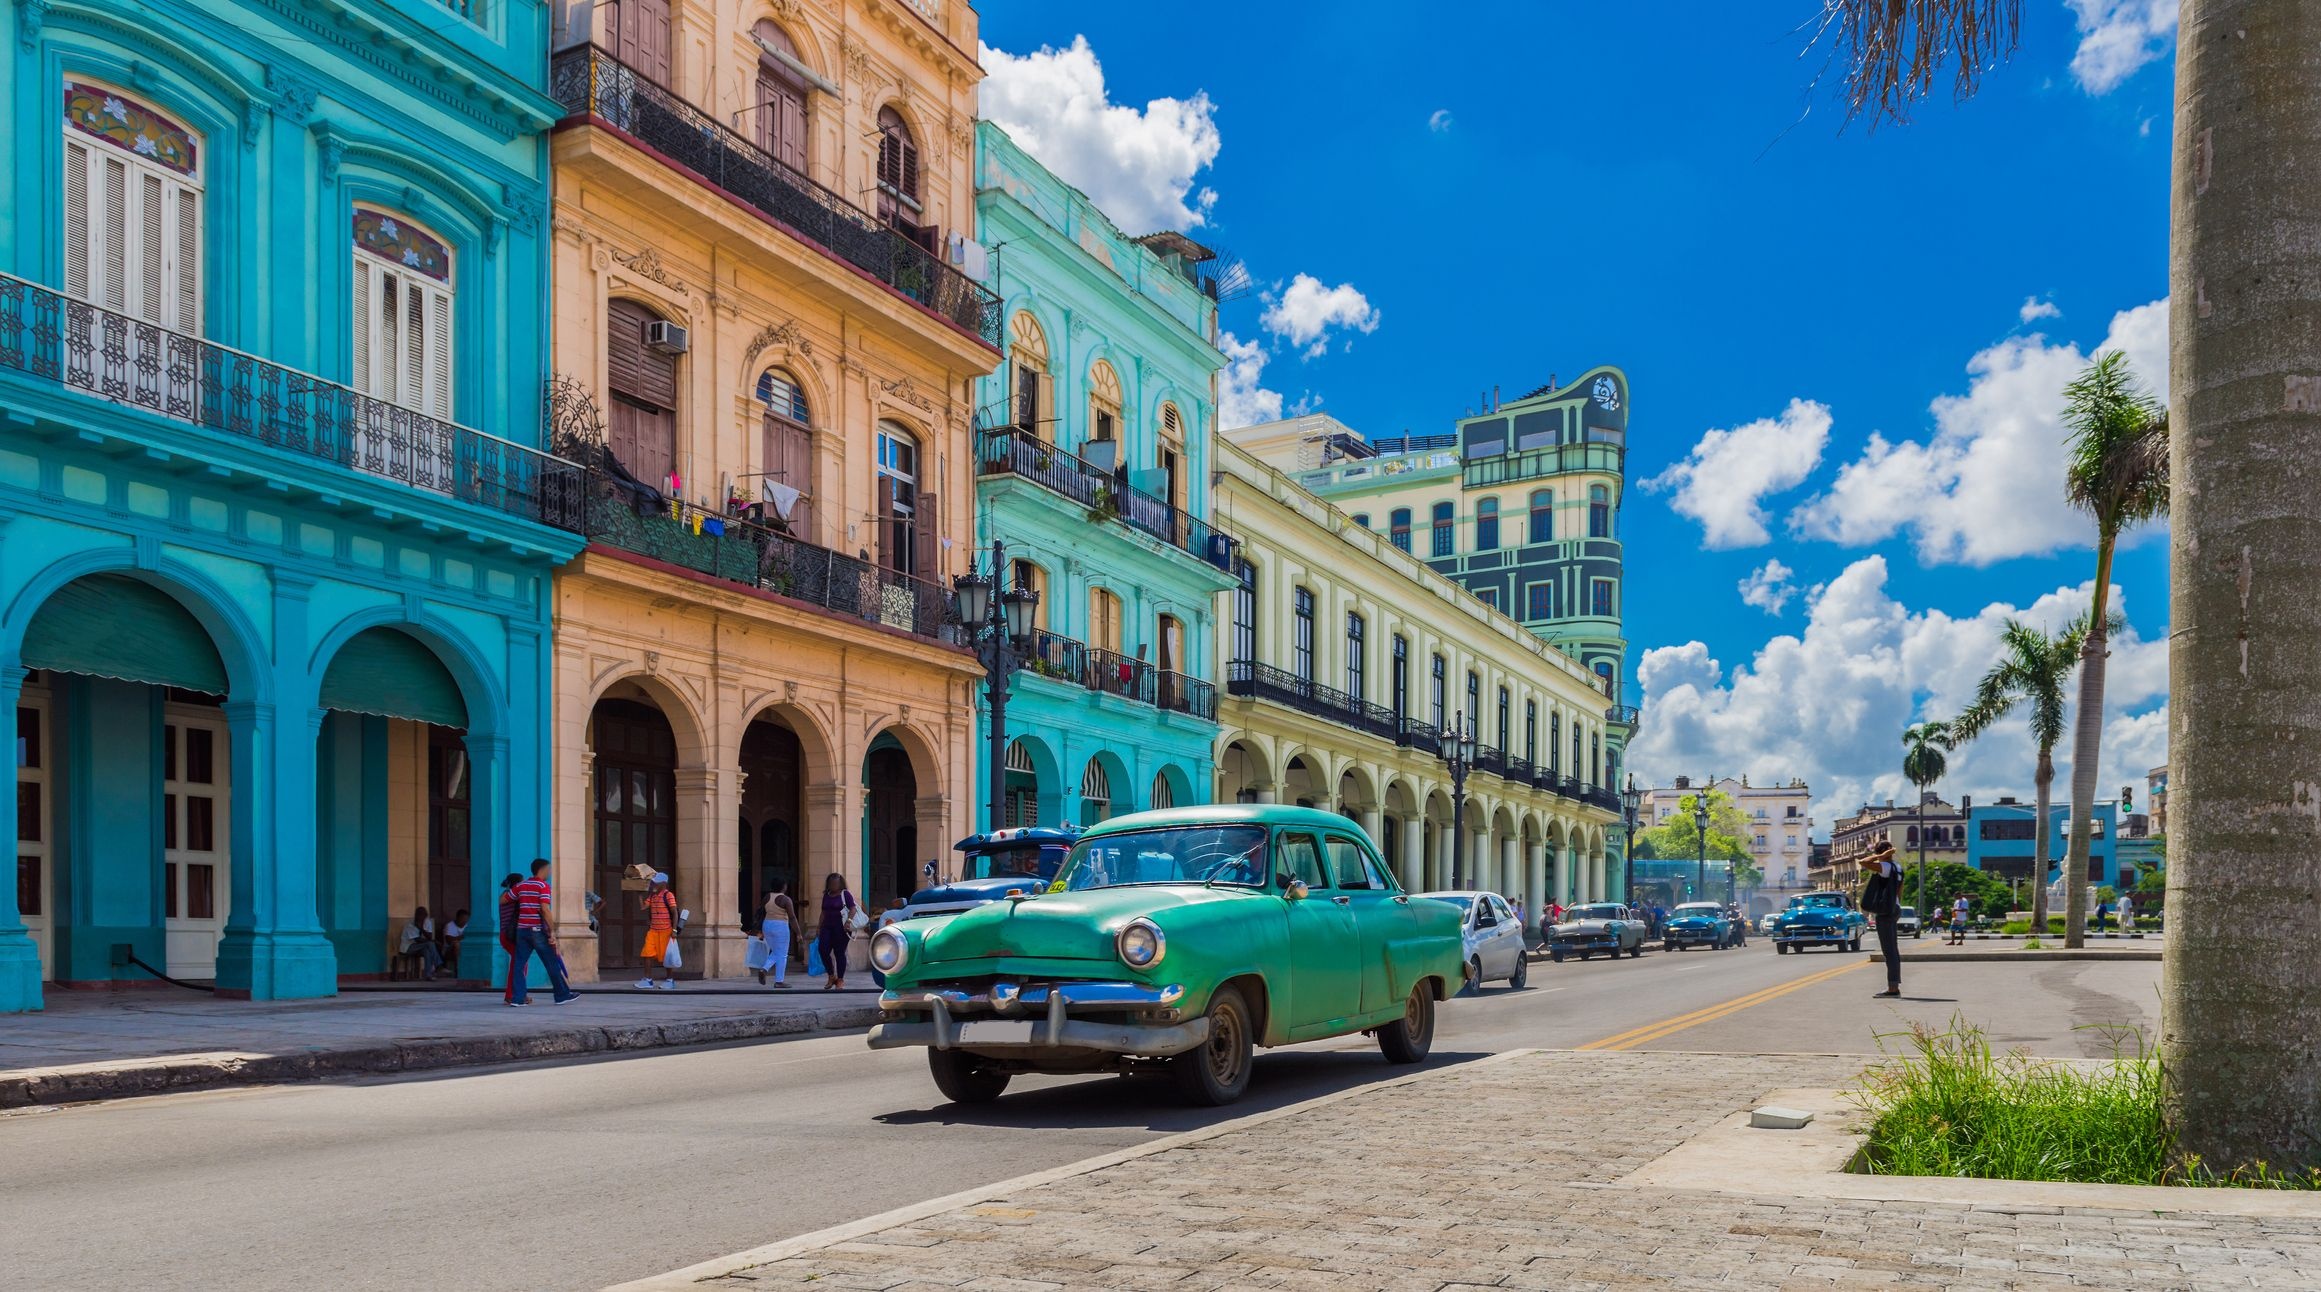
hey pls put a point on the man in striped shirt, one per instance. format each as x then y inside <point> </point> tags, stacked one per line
<point>536,935</point>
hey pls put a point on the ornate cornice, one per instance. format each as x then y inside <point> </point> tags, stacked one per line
<point>786,333</point>
<point>402,58</point>
<point>647,264</point>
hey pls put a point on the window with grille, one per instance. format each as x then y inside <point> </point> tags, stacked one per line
<point>1444,518</point>
<point>1542,516</point>
<point>133,214</point>
<point>1398,528</point>
<point>1163,795</point>
<point>1355,650</point>
<point>1302,638</point>
<point>402,314</point>
<point>1487,525</point>
<point>1245,611</point>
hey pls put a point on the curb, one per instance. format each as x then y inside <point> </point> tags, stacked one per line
<point>2018,955</point>
<point>208,1071</point>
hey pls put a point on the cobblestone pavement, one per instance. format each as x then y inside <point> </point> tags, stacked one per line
<point>1504,1174</point>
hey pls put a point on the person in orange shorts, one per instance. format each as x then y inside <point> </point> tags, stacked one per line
<point>660,926</point>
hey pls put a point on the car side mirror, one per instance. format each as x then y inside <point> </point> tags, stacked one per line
<point>1296,892</point>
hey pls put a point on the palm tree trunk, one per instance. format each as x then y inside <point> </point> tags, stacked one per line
<point>2044,783</point>
<point>2086,750</point>
<point>2241,1014</point>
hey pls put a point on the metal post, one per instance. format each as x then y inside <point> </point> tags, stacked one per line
<point>993,632</point>
<point>1458,807</point>
<point>1921,861</point>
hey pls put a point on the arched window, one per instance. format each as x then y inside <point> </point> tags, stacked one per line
<point>1028,361</point>
<point>1170,631</point>
<point>1169,456</point>
<point>643,381</point>
<point>1361,520</point>
<point>1023,787</point>
<point>133,220</point>
<point>780,106</point>
<point>906,512</point>
<point>787,434</point>
<point>1162,795</point>
<point>1542,516</point>
<point>1487,525</point>
<point>1103,620</point>
<point>1398,528</point>
<point>898,175</point>
<point>1095,794</point>
<point>1599,512</point>
<point>402,313</point>
<point>1104,408</point>
<point>1444,517</point>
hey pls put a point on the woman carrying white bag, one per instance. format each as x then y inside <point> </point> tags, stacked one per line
<point>770,951</point>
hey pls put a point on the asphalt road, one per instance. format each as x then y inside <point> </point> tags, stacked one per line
<point>581,1174</point>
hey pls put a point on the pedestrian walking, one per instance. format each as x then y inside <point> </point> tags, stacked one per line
<point>536,936</point>
<point>780,921</point>
<point>2127,913</point>
<point>839,913</point>
<point>660,930</point>
<point>508,917</point>
<point>1882,902</point>
<point>2102,915</point>
<point>1960,909</point>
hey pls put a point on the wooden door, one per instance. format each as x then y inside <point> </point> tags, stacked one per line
<point>196,808</point>
<point>636,819</point>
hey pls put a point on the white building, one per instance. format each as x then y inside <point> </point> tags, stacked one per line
<point>1780,835</point>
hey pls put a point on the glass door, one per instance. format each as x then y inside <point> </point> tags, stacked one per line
<point>34,820</point>
<point>194,806</point>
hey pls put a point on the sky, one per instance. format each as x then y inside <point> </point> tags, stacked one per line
<point>1846,346</point>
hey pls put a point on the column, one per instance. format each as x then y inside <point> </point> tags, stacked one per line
<point>1266,792</point>
<point>273,947</point>
<point>480,957</point>
<point>931,814</point>
<point>1413,850</point>
<point>19,958</point>
<point>703,872</point>
<point>1373,821</point>
<point>1596,891</point>
<point>1535,893</point>
<point>1510,875</point>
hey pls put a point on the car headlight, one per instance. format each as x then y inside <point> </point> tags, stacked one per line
<point>889,949</point>
<point>1141,944</point>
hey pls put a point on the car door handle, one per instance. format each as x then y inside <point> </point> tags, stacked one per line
<point>1343,900</point>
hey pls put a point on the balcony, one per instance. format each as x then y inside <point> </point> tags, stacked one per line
<point>1253,680</point>
<point>50,337</point>
<point>1184,693</point>
<point>1008,451</point>
<point>1537,464</point>
<point>1621,714</point>
<point>1112,673</point>
<point>753,556</point>
<point>597,89</point>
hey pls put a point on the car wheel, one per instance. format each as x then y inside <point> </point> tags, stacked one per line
<point>1215,1072</point>
<point>1669,946</point>
<point>1636,952</point>
<point>1854,945</point>
<point>1408,1038</point>
<point>963,1079</point>
<point>1522,972</point>
<point>1780,950</point>
<point>1555,956</point>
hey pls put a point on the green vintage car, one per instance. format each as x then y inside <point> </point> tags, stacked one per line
<point>1176,940</point>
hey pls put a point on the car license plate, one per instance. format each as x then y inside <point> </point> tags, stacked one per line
<point>1008,1032</point>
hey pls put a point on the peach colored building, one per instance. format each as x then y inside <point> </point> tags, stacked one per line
<point>767,337</point>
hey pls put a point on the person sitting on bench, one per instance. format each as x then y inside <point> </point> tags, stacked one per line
<point>419,940</point>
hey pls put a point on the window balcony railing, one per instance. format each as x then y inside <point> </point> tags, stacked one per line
<point>1264,682</point>
<point>1008,451</point>
<point>1624,714</point>
<point>1184,693</point>
<point>594,86</point>
<point>1490,760</point>
<point>47,336</point>
<point>1116,674</point>
<point>1537,464</point>
<point>1112,673</point>
<point>743,552</point>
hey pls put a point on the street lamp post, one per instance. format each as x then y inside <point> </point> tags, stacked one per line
<point>1458,754</point>
<point>1700,826</point>
<point>998,627</point>
<point>1631,799</point>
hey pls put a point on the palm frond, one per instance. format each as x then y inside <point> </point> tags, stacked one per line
<point>1893,48</point>
<point>2118,467</point>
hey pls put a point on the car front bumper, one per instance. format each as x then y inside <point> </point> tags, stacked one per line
<point>1131,1018</point>
<point>1813,937</point>
<point>1690,937</point>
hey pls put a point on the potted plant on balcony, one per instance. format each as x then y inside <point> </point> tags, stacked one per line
<point>1104,506</point>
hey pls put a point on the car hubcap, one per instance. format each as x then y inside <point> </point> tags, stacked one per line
<point>1411,1014</point>
<point>1224,1046</point>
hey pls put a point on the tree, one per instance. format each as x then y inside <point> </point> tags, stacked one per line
<point>1987,895</point>
<point>2237,1033</point>
<point>2119,475</point>
<point>2029,674</point>
<point>1676,839</point>
<point>1924,745</point>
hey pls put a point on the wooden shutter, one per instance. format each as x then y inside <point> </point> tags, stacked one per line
<point>644,375</point>
<point>132,236</point>
<point>641,32</point>
<point>889,552</point>
<point>789,460</point>
<point>362,329</point>
<point>927,535</point>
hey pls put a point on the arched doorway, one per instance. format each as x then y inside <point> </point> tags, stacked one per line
<point>772,814</point>
<point>1023,786</point>
<point>890,823</point>
<point>635,819</point>
<point>1095,793</point>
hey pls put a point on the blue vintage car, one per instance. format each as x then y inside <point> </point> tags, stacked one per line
<point>1826,919</point>
<point>1020,859</point>
<point>1700,924</point>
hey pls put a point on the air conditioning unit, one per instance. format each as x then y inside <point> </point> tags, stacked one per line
<point>667,337</point>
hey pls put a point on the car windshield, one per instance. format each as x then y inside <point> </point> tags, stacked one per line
<point>1224,854</point>
<point>1699,908</point>
<point>1815,899</point>
<point>1004,862</point>
<point>1595,913</point>
<point>1910,912</point>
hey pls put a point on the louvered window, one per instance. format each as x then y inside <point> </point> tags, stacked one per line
<point>402,314</point>
<point>133,217</point>
<point>781,101</point>
<point>788,453</point>
<point>643,414</point>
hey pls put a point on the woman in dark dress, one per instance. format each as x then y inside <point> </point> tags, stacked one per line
<point>838,911</point>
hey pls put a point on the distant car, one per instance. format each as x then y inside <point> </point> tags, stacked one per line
<point>1907,923</point>
<point>1020,859</point>
<point>1494,936</point>
<point>1765,922</point>
<point>1825,919</point>
<point>1700,924</point>
<point>1604,928</point>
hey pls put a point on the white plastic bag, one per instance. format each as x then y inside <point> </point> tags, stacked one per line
<point>756,957</point>
<point>672,958</point>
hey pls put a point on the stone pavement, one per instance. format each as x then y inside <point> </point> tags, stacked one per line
<point>1505,1173</point>
<point>109,1045</point>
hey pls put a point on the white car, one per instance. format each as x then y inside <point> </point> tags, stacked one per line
<point>1907,925</point>
<point>1765,923</point>
<point>1495,947</point>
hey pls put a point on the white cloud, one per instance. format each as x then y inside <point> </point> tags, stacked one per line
<point>2118,37</point>
<point>2035,309</point>
<point>1829,703</point>
<point>1306,313</point>
<point>1439,120</point>
<point>1988,484</point>
<point>1137,166</point>
<point>1724,481</point>
<point>1768,587</point>
<point>1241,401</point>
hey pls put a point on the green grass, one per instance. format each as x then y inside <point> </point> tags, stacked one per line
<point>1949,1106</point>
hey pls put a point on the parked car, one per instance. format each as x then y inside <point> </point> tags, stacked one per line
<point>1826,919</point>
<point>1603,928</point>
<point>1700,924</point>
<point>1765,923</point>
<point>1907,923</point>
<point>1020,858</point>
<point>1494,937</point>
<point>1174,941</point>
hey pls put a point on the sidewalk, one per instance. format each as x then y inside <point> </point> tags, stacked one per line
<point>89,1045</point>
<point>1520,1172</point>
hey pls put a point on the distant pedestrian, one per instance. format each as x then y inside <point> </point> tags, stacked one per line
<point>660,907</point>
<point>419,940</point>
<point>2102,915</point>
<point>778,922</point>
<point>453,930</point>
<point>1960,910</point>
<point>508,915</point>
<point>1882,901</point>
<point>536,936</point>
<point>2127,913</point>
<point>839,911</point>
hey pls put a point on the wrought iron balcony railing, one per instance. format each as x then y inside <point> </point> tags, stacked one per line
<point>1264,682</point>
<point>1490,760</point>
<point>1116,674</point>
<point>47,336</point>
<point>743,552</point>
<point>1535,464</point>
<point>1008,451</point>
<point>1184,693</point>
<point>594,86</point>
<point>1113,673</point>
<point>1621,713</point>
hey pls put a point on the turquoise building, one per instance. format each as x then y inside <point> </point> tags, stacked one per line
<point>1093,470</point>
<point>276,545</point>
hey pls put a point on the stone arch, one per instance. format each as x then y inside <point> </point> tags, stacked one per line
<point>686,721</point>
<point>1179,788</point>
<point>1244,764</point>
<point>1304,777</point>
<point>479,688</point>
<point>925,753</point>
<point>815,741</point>
<point>1104,768</point>
<point>240,646</point>
<point>1364,793</point>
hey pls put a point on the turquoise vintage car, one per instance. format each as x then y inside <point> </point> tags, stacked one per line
<point>1176,940</point>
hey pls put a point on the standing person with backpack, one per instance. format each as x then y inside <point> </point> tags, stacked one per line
<point>1882,902</point>
<point>840,914</point>
<point>660,932</point>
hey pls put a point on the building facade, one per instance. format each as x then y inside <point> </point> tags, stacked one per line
<point>1093,470</point>
<point>276,543</point>
<point>767,348</point>
<point>1779,837</point>
<point>1942,826</point>
<point>2002,838</point>
<point>1347,662</point>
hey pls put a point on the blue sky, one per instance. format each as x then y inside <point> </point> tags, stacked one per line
<point>1846,343</point>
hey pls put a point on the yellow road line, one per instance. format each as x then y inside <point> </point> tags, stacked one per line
<point>1668,1026</point>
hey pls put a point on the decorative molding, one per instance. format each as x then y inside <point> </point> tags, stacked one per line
<point>293,95</point>
<point>332,151</point>
<point>599,258</point>
<point>30,15</point>
<point>786,334</point>
<point>444,81</point>
<point>903,389</point>
<point>647,264</point>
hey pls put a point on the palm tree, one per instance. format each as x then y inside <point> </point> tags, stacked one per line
<point>2030,673</point>
<point>2119,475</point>
<point>1922,761</point>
